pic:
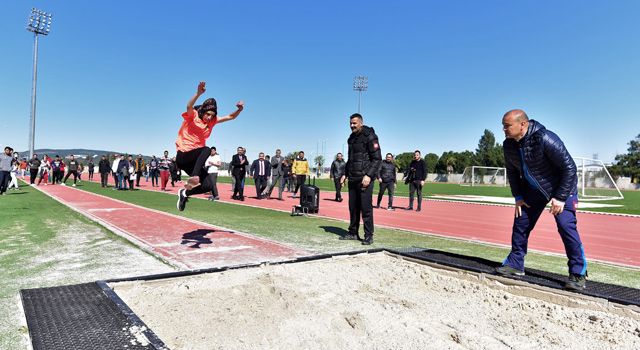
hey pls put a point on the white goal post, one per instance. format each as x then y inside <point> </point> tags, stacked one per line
<point>477,175</point>
<point>594,180</point>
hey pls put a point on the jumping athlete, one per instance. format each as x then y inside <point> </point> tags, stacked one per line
<point>191,143</point>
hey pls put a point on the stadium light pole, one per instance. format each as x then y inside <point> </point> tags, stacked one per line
<point>360,84</point>
<point>40,24</point>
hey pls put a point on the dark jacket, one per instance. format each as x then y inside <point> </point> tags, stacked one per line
<point>255,168</point>
<point>417,171</point>
<point>387,172</point>
<point>104,167</point>
<point>34,163</point>
<point>338,168</point>
<point>286,170</point>
<point>123,167</point>
<point>235,163</point>
<point>548,166</point>
<point>364,155</point>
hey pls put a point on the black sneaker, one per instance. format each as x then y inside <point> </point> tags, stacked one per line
<point>367,240</point>
<point>182,199</point>
<point>349,237</point>
<point>507,270</point>
<point>576,282</point>
<point>390,208</point>
<point>409,208</point>
<point>377,206</point>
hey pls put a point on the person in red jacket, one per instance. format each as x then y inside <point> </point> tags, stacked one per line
<point>198,121</point>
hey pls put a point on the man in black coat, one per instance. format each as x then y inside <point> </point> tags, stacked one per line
<point>260,171</point>
<point>363,166</point>
<point>417,174</point>
<point>338,168</point>
<point>387,177</point>
<point>541,171</point>
<point>239,163</point>
<point>104,168</point>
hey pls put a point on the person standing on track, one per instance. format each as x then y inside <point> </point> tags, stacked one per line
<point>416,178</point>
<point>164,165</point>
<point>191,142</point>
<point>387,177</point>
<point>338,167</point>
<point>104,169</point>
<point>541,171</point>
<point>139,165</point>
<point>72,169</point>
<point>34,166</point>
<point>300,171</point>
<point>363,166</point>
<point>239,164</point>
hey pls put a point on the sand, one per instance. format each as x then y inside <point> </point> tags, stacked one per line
<point>371,301</point>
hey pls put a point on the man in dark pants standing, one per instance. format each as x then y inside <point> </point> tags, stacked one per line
<point>415,179</point>
<point>104,169</point>
<point>277,178</point>
<point>387,178</point>
<point>338,167</point>
<point>34,166</point>
<point>260,171</point>
<point>540,172</point>
<point>363,166</point>
<point>239,164</point>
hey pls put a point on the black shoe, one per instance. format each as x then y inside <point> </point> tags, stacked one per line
<point>182,199</point>
<point>507,270</point>
<point>576,282</point>
<point>368,240</point>
<point>418,209</point>
<point>242,198</point>
<point>390,208</point>
<point>339,199</point>
<point>349,237</point>
<point>377,206</point>
<point>409,208</point>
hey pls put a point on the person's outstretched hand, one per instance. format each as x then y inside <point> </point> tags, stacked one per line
<point>240,105</point>
<point>202,87</point>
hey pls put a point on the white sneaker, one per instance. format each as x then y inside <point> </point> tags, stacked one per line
<point>74,185</point>
<point>63,184</point>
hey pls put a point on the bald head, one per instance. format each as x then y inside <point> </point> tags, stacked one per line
<point>515,124</point>
<point>518,115</point>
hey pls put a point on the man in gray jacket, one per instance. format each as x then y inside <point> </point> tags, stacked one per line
<point>277,174</point>
<point>387,178</point>
<point>5,168</point>
<point>338,167</point>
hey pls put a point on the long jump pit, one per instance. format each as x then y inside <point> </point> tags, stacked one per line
<point>379,299</point>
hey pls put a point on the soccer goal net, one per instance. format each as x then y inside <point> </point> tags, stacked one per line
<point>594,180</point>
<point>483,175</point>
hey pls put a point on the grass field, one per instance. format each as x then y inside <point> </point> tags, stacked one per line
<point>44,243</point>
<point>630,203</point>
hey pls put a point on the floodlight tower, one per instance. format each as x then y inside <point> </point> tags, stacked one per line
<point>40,24</point>
<point>360,84</point>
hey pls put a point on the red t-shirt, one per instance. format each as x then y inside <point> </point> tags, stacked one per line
<point>194,132</point>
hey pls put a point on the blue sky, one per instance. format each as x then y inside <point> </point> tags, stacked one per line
<point>117,74</point>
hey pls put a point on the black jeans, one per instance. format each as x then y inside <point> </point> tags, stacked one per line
<point>33,173</point>
<point>386,186</point>
<point>360,203</point>
<point>4,180</point>
<point>238,175</point>
<point>104,177</point>
<point>138,176</point>
<point>415,186</point>
<point>75,176</point>
<point>261,184</point>
<point>338,185</point>
<point>300,179</point>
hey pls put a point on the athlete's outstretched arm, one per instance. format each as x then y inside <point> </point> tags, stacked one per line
<point>234,115</point>
<point>201,89</point>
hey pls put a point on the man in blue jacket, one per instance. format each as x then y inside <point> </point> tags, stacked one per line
<point>541,171</point>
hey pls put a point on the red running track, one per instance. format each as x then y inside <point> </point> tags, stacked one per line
<point>608,238</point>
<point>181,242</point>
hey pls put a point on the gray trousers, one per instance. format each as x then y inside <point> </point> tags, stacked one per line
<point>274,180</point>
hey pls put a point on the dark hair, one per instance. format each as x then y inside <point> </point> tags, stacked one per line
<point>417,151</point>
<point>389,154</point>
<point>356,115</point>
<point>213,148</point>
<point>209,104</point>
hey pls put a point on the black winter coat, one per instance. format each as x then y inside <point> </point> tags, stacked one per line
<point>364,155</point>
<point>550,166</point>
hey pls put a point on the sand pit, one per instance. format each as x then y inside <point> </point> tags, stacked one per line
<point>372,301</point>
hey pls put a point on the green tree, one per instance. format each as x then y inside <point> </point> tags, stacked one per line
<point>430,161</point>
<point>489,153</point>
<point>629,164</point>
<point>403,160</point>
<point>319,162</point>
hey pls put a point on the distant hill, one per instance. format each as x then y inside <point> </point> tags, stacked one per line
<point>67,152</point>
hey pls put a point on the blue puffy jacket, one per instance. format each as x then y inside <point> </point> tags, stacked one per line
<point>548,166</point>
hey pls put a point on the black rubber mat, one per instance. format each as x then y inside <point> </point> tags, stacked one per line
<point>611,292</point>
<point>77,317</point>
